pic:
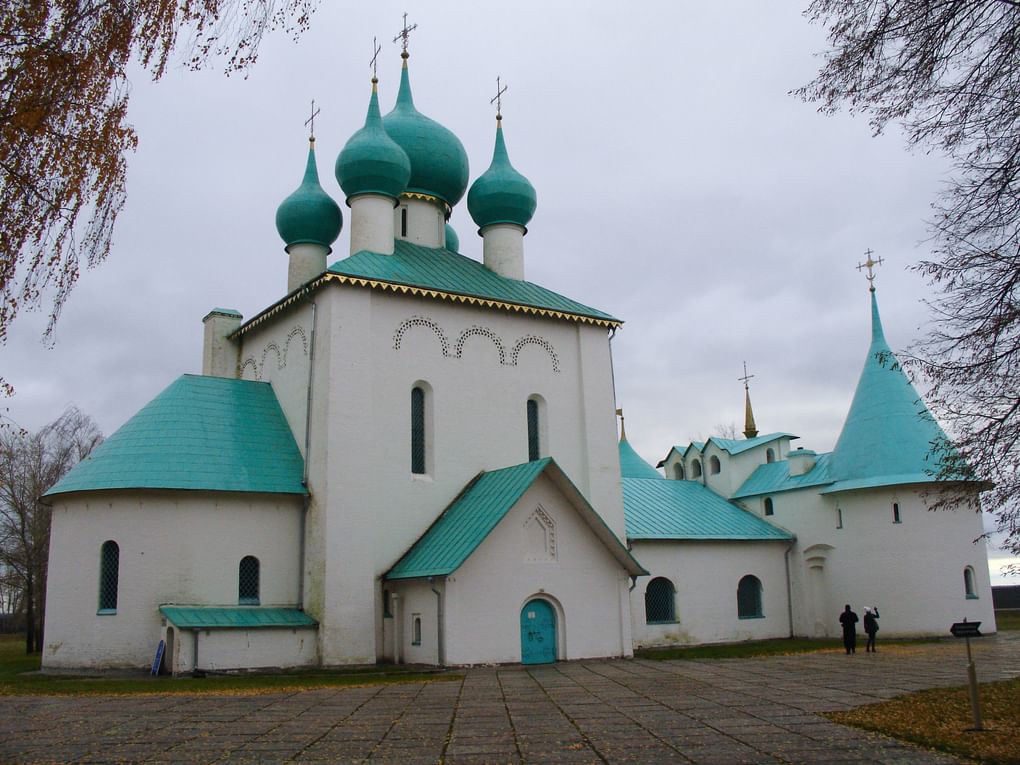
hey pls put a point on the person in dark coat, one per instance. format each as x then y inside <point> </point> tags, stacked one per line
<point>848,619</point>
<point>871,626</point>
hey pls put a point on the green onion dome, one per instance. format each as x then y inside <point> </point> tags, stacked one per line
<point>452,240</point>
<point>309,215</point>
<point>371,162</point>
<point>439,164</point>
<point>501,194</point>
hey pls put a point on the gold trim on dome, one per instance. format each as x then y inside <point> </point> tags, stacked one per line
<point>427,198</point>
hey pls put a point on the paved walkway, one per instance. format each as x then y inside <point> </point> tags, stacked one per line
<point>600,712</point>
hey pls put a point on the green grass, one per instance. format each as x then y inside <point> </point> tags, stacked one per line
<point>749,649</point>
<point>1008,620</point>
<point>19,675</point>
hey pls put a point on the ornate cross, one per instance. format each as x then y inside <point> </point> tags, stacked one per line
<point>311,121</point>
<point>498,99</point>
<point>870,265</point>
<point>376,48</point>
<point>404,34</point>
<point>746,376</point>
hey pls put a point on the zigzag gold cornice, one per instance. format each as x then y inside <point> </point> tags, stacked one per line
<point>406,289</point>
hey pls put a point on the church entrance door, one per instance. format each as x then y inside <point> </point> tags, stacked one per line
<point>538,633</point>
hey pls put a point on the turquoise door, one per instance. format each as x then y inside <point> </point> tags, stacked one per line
<point>538,633</point>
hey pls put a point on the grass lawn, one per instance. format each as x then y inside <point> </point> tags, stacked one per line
<point>941,719</point>
<point>19,675</point>
<point>779,647</point>
<point>1008,620</point>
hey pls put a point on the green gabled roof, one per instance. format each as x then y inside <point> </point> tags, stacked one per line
<point>775,477</point>
<point>689,510</point>
<point>632,466</point>
<point>207,433</point>
<point>479,508</point>
<point>446,275</point>
<point>235,617</point>
<point>888,434</point>
<point>735,446</point>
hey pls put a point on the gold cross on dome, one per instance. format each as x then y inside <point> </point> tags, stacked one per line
<point>376,48</point>
<point>746,376</point>
<point>498,99</point>
<point>870,264</point>
<point>404,34</point>
<point>311,121</point>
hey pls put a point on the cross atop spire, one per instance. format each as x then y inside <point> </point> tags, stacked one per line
<point>311,122</point>
<point>870,265</point>
<point>376,48</point>
<point>498,100</point>
<point>750,429</point>
<point>746,376</point>
<point>404,34</point>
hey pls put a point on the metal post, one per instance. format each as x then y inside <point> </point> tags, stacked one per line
<point>975,701</point>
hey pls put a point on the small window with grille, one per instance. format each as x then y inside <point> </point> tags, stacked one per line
<point>660,601</point>
<point>749,598</point>
<point>109,577</point>
<point>418,430</point>
<point>534,451</point>
<point>248,581</point>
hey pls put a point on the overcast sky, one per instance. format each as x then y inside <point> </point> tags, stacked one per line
<point>680,188</point>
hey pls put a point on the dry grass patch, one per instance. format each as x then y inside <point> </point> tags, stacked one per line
<point>941,719</point>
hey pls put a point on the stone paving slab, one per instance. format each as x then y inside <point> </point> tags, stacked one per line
<point>721,712</point>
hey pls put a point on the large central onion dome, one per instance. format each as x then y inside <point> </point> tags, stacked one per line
<point>371,162</point>
<point>439,164</point>
<point>501,194</point>
<point>309,215</point>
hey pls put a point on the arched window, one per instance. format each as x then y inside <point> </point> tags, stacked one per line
<point>714,465</point>
<point>770,456</point>
<point>660,600</point>
<point>769,509</point>
<point>416,629</point>
<point>109,577</point>
<point>534,452</point>
<point>696,469</point>
<point>248,581</point>
<point>678,471</point>
<point>418,430</point>
<point>749,598</point>
<point>895,512</point>
<point>969,586</point>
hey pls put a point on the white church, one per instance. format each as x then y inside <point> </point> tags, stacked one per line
<point>413,457</point>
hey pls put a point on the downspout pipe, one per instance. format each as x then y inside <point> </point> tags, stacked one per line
<point>440,632</point>
<point>308,455</point>
<point>789,584</point>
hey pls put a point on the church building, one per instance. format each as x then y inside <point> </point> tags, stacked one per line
<point>413,457</point>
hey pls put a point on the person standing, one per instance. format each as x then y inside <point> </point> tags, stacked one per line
<point>871,626</point>
<point>848,619</point>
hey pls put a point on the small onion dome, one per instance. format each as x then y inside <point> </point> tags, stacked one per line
<point>501,194</point>
<point>309,215</point>
<point>371,162</point>
<point>439,164</point>
<point>452,240</point>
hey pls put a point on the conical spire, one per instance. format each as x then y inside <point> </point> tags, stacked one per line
<point>631,464</point>
<point>501,194</point>
<point>309,215</point>
<point>889,433</point>
<point>371,162</point>
<point>750,429</point>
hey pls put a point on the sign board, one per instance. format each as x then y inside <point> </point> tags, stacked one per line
<point>159,657</point>
<point>965,629</point>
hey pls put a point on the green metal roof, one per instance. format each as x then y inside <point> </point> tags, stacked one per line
<point>371,162</point>
<point>479,508</point>
<point>735,446</point>
<point>440,273</point>
<point>501,194</point>
<point>775,477</point>
<point>888,434</point>
<point>689,510</point>
<point>235,617</point>
<point>309,215</point>
<point>632,466</point>
<point>207,433</point>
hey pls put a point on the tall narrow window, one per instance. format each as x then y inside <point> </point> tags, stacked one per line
<point>839,517</point>
<point>660,601</point>
<point>248,581</point>
<point>416,629</point>
<point>749,598</point>
<point>109,577</point>
<point>770,456</point>
<point>769,507</point>
<point>969,585</point>
<point>417,430</point>
<point>403,221</point>
<point>895,512</point>
<point>534,452</point>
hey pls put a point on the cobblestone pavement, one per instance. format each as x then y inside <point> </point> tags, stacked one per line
<point>601,712</point>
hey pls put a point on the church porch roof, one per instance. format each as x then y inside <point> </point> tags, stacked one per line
<point>236,617</point>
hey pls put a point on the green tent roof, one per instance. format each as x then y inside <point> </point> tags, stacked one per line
<point>207,433</point>
<point>235,617</point>
<point>632,466</point>
<point>775,477</point>
<point>483,503</point>
<point>688,510</point>
<point>888,434</point>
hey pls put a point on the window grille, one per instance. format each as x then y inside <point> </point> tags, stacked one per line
<point>248,581</point>
<point>417,431</point>
<point>660,601</point>
<point>749,598</point>
<point>533,445</point>
<point>109,576</point>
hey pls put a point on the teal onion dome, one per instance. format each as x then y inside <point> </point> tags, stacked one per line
<point>452,240</point>
<point>439,164</point>
<point>371,162</point>
<point>309,215</point>
<point>501,194</point>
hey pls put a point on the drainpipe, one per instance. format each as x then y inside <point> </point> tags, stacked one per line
<point>397,622</point>
<point>440,647</point>
<point>194,657</point>
<point>789,585</point>
<point>308,455</point>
